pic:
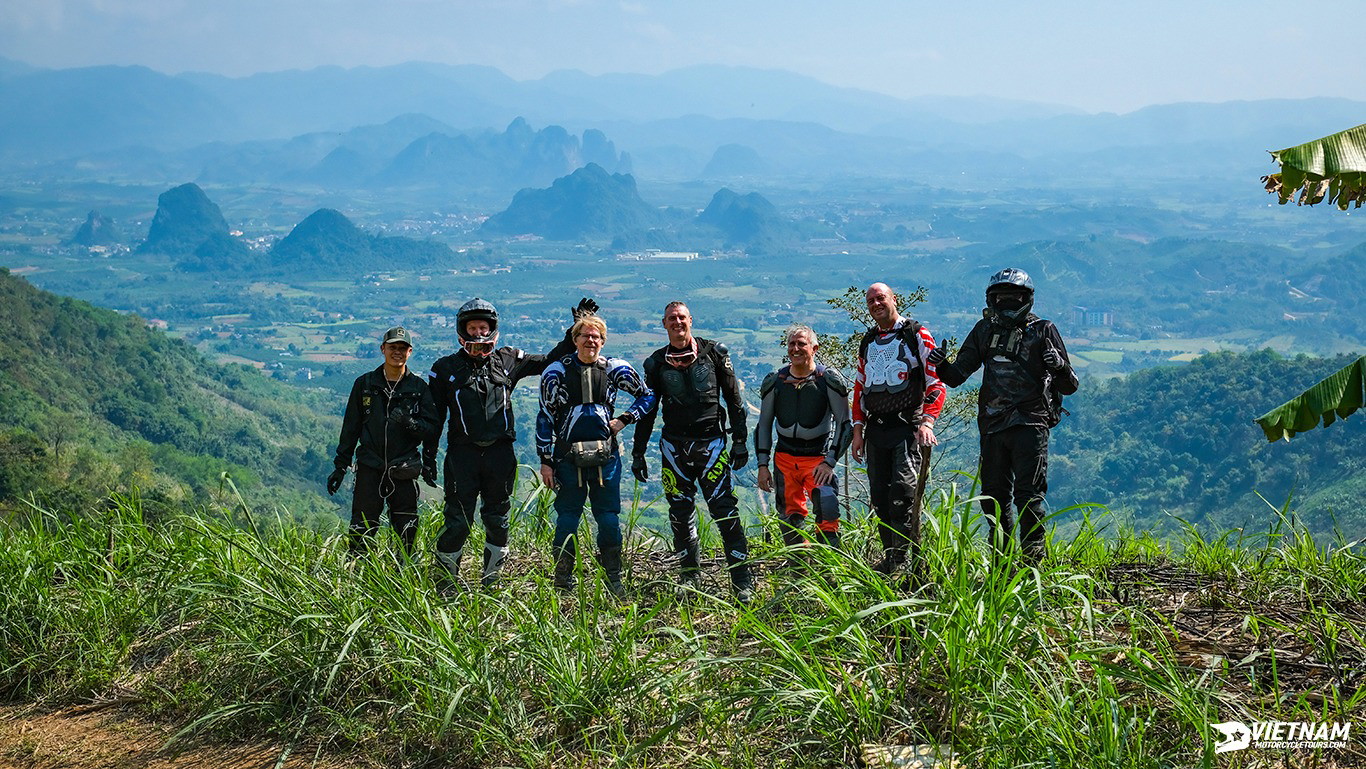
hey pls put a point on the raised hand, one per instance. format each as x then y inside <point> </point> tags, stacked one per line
<point>1053,360</point>
<point>939,355</point>
<point>586,306</point>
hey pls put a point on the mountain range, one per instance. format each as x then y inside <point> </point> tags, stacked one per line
<point>301,126</point>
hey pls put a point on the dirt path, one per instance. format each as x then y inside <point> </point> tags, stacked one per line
<point>78,738</point>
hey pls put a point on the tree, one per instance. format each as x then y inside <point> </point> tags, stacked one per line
<point>1336,396</point>
<point>1333,167</point>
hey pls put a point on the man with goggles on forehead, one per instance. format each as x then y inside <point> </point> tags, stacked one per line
<point>691,377</point>
<point>474,386</point>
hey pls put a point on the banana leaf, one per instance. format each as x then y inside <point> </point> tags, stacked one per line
<point>1338,395</point>
<point>1333,167</point>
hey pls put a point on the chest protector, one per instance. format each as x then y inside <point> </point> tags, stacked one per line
<point>801,404</point>
<point>481,389</point>
<point>695,385</point>
<point>893,379</point>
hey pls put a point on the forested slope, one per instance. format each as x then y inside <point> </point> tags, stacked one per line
<point>91,400</point>
<point>1181,440</point>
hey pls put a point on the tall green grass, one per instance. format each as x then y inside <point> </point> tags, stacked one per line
<point>270,629</point>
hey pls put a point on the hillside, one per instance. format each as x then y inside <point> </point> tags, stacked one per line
<point>1180,440</point>
<point>93,401</point>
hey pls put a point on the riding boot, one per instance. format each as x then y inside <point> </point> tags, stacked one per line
<point>406,526</point>
<point>610,558</point>
<point>690,571</point>
<point>448,569</point>
<point>892,559</point>
<point>494,556</point>
<point>741,577</point>
<point>830,539</point>
<point>564,569</point>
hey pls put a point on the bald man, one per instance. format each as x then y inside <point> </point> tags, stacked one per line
<point>897,398</point>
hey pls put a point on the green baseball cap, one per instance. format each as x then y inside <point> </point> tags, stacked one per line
<point>398,334</point>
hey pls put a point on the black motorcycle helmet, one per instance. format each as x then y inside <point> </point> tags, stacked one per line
<point>1010,295</point>
<point>477,309</point>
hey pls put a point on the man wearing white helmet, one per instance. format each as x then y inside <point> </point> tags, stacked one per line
<point>1026,372</point>
<point>474,387</point>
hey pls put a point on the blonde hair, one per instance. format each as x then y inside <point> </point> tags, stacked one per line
<point>585,321</point>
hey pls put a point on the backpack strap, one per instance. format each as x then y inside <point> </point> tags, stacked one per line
<point>589,385</point>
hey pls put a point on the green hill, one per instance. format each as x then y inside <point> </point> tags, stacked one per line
<point>1181,440</point>
<point>587,203</point>
<point>747,220</point>
<point>326,239</point>
<point>91,400</point>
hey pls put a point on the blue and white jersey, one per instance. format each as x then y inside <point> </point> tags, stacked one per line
<point>560,423</point>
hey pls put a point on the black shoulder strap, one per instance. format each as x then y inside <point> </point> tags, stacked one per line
<point>910,334</point>
<point>865,341</point>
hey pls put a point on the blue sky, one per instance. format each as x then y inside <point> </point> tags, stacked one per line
<point>1097,55</point>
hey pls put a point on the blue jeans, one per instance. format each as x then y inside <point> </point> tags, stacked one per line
<point>601,488</point>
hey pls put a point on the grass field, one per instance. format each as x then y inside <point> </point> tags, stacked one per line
<point>1119,651</point>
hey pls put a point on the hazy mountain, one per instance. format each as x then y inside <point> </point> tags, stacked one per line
<point>96,230</point>
<point>724,92</point>
<point>309,158</point>
<point>589,203</point>
<point>746,220</point>
<point>672,124</point>
<point>327,240</point>
<point>1230,128</point>
<point>10,68</point>
<point>56,113</point>
<point>731,160</point>
<point>518,157</point>
<point>185,218</point>
<point>333,98</point>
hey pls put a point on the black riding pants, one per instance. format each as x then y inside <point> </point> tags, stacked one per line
<point>690,465</point>
<point>472,471</point>
<point>893,461</point>
<point>1015,477</point>
<point>374,488</point>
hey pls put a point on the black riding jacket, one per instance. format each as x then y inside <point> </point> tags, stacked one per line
<point>375,429</point>
<point>690,398</point>
<point>1012,394</point>
<point>477,393</point>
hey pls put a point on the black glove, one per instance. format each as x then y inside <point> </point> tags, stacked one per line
<point>939,354</point>
<point>585,306</point>
<point>409,423</point>
<point>640,470</point>
<point>1052,359</point>
<point>429,474</point>
<point>334,481</point>
<point>739,455</point>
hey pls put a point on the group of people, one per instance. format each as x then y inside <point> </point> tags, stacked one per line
<point>809,417</point>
